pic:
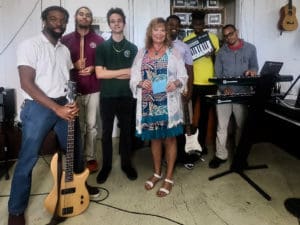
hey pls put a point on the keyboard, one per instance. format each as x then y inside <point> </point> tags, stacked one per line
<point>246,81</point>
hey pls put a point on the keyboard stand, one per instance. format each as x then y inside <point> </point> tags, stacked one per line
<point>245,177</point>
<point>250,134</point>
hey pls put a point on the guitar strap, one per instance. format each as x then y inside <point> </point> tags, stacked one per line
<point>56,219</point>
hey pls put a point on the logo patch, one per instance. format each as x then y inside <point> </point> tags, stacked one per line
<point>127,53</point>
<point>93,45</point>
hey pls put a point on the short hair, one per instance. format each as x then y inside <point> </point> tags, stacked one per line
<point>198,15</point>
<point>229,26</point>
<point>173,17</point>
<point>117,11</point>
<point>54,8</point>
<point>154,22</point>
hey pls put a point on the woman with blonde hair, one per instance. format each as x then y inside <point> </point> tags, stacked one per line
<point>158,76</point>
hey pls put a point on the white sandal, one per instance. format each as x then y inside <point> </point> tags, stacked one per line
<point>164,190</point>
<point>150,183</point>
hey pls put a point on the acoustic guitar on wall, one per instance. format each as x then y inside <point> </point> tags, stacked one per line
<point>288,20</point>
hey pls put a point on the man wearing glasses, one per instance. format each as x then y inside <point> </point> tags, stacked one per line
<point>236,58</point>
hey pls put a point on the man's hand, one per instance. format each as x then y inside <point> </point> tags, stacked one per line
<point>80,64</point>
<point>228,91</point>
<point>250,73</point>
<point>86,71</point>
<point>68,111</point>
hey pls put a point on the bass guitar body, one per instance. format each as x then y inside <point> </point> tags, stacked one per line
<point>288,20</point>
<point>73,198</point>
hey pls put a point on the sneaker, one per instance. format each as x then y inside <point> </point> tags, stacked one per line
<point>130,172</point>
<point>103,175</point>
<point>216,162</point>
<point>94,192</point>
<point>92,165</point>
<point>16,219</point>
<point>189,166</point>
<point>293,206</point>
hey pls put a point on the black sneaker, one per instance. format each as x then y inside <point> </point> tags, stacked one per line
<point>216,162</point>
<point>103,174</point>
<point>293,206</point>
<point>94,192</point>
<point>130,172</point>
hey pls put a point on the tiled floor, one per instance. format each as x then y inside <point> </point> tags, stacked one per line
<point>229,200</point>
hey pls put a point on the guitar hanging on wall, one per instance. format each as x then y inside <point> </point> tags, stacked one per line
<point>288,20</point>
<point>69,196</point>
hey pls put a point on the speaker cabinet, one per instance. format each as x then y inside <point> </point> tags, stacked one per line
<point>8,106</point>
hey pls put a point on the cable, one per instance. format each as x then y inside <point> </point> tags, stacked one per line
<point>139,213</point>
<point>99,202</point>
<point>18,31</point>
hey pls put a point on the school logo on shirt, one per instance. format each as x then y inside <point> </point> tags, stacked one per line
<point>93,45</point>
<point>127,53</point>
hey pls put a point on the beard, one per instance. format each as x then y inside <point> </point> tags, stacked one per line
<point>173,35</point>
<point>54,34</point>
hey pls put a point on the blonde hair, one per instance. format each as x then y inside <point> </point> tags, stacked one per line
<point>153,23</point>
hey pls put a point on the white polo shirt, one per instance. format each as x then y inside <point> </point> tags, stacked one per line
<point>52,64</point>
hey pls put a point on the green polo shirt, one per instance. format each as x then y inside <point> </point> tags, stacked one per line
<point>113,56</point>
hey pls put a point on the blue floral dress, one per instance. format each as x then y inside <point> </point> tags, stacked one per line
<point>154,105</point>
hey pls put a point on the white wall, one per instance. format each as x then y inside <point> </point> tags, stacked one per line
<point>256,20</point>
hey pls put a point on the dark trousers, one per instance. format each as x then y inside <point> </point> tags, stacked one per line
<point>199,92</point>
<point>123,109</point>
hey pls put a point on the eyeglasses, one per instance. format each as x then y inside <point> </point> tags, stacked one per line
<point>230,34</point>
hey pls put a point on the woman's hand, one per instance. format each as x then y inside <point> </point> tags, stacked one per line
<point>171,86</point>
<point>146,84</point>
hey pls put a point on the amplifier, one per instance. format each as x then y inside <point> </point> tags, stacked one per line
<point>7,105</point>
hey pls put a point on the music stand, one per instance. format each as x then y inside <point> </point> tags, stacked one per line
<point>249,135</point>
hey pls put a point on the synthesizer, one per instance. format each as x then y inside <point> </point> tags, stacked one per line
<point>246,81</point>
<point>242,98</point>
<point>200,45</point>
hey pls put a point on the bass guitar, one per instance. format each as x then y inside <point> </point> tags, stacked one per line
<point>69,196</point>
<point>288,20</point>
<point>191,138</point>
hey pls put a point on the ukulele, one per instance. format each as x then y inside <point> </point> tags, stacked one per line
<point>71,197</point>
<point>191,139</point>
<point>288,20</point>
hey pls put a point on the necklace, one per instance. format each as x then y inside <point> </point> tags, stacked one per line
<point>116,49</point>
<point>156,51</point>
